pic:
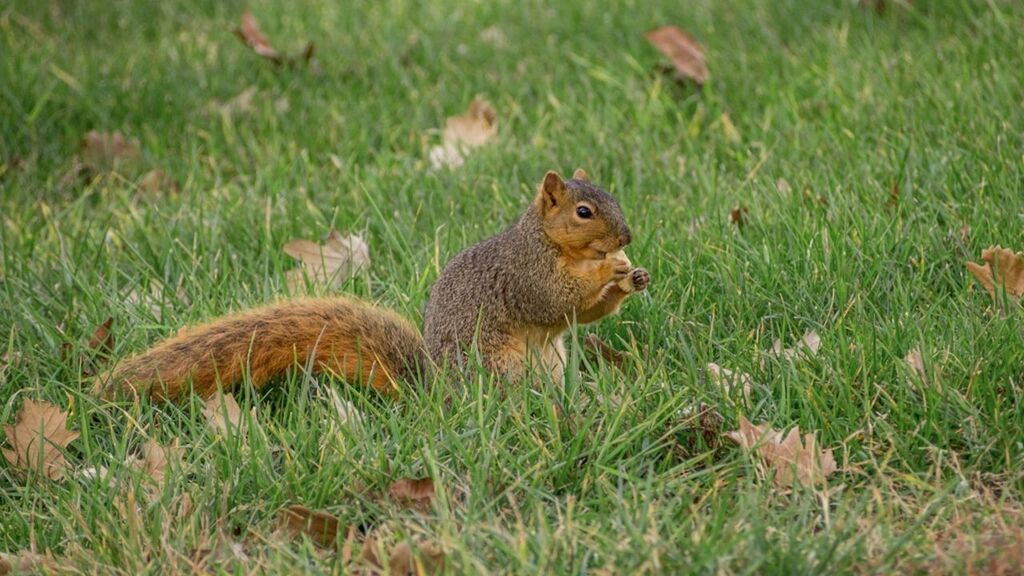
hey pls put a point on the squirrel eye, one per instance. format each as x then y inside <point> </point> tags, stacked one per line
<point>583,212</point>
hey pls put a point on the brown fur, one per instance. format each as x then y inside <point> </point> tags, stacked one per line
<point>508,300</point>
<point>511,298</point>
<point>345,337</point>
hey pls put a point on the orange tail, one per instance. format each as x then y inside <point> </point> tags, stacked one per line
<point>345,337</point>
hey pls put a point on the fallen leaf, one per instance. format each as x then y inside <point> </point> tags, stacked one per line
<point>156,458</point>
<point>686,54</point>
<point>1002,267</point>
<point>402,561</point>
<point>808,345</point>
<point>27,562</point>
<point>156,181</point>
<point>916,363</point>
<point>464,133</point>
<point>416,493</point>
<point>792,460</point>
<point>250,33</point>
<point>738,216</point>
<point>494,36</point>
<point>595,345</point>
<point>728,379</point>
<point>224,415</point>
<point>38,438</point>
<point>241,103</point>
<point>103,151</point>
<point>102,340</point>
<point>331,263</point>
<point>321,527</point>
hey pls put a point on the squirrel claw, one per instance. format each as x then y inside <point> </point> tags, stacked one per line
<point>640,279</point>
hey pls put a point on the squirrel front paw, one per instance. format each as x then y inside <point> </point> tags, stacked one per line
<point>616,269</point>
<point>636,281</point>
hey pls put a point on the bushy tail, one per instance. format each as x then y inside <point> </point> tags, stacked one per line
<point>345,337</point>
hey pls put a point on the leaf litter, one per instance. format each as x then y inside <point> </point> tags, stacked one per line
<point>790,460</point>
<point>1002,268</point>
<point>464,133</point>
<point>249,32</point>
<point>38,439</point>
<point>330,263</point>
<point>683,50</point>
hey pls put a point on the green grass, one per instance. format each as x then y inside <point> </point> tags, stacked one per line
<point>606,476</point>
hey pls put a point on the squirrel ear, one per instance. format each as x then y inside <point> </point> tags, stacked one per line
<point>552,191</point>
<point>579,174</point>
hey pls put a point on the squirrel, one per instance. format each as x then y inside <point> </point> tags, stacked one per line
<point>506,301</point>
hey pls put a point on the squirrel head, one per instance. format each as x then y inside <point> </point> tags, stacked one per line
<point>580,218</point>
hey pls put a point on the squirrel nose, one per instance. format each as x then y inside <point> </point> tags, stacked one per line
<point>625,239</point>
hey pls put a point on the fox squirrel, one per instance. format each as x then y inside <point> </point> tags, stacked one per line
<point>506,300</point>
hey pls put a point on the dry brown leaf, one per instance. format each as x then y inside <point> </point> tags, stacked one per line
<point>809,344</point>
<point>916,363</point>
<point>686,54</point>
<point>241,103</point>
<point>331,263</point>
<point>793,461</point>
<point>103,151</point>
<point>156,459</point>
<point>96,351</point>
<point>37,439</point>
<point>250,33</point>
<point>402,561</point>
<point>728,379</point>
<point>738,216</point>
<point>464,133</point>
<point>321,527</point>
<point>157,181</point>
<point>416,493</point>
<point>27,562</point>
<point>1002,267</point>
<point>598,347</point>
<point>224,415</point>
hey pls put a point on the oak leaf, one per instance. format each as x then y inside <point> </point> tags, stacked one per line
<point>38,438</point>
<point>156,459</point>
<point>1002,267</point>
<point>792,460</point>
<point>249,32</point>
<point>297,521</point>
<point>729,379</point>
<point>416,493</point>
<point>686,54</point>
<point>808,345</point>
<point>464,133</point>
<point>103,151</point>
<point>401,561</point>
<point>224,415</point>
<point>331,263</point>
<point>915,361</point>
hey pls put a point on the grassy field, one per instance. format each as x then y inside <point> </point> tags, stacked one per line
<point>875,153</point>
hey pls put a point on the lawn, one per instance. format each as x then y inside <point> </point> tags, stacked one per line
<point>867,154</point>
